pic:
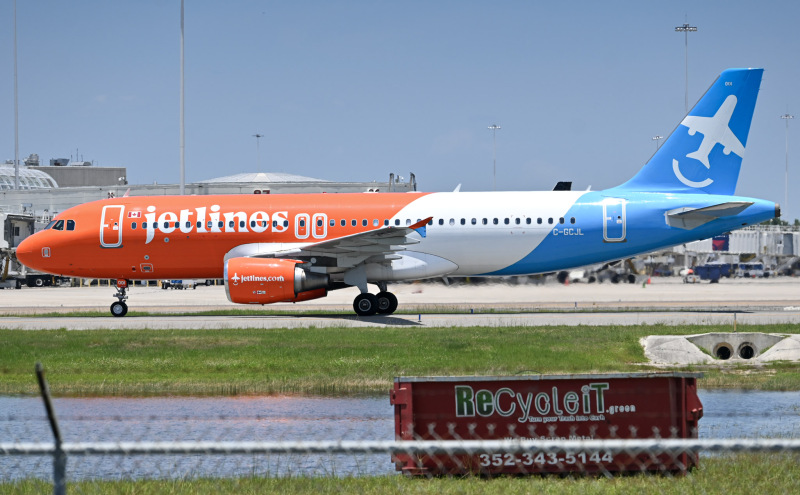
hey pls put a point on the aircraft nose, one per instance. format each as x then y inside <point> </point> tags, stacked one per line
<point>28,251</point>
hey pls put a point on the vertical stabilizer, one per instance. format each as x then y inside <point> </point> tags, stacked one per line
<point>704,153</point>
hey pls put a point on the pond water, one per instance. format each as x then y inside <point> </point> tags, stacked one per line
<point>727,414</point>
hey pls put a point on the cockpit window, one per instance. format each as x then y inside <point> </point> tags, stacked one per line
<point>70,224</point>
<point>59,225</point>
<point>50,225</point>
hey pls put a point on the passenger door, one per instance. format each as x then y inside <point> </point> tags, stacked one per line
<point>111,226</point>
<point>614,220</point>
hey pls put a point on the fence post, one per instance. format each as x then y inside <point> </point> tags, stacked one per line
<point>59,457</point>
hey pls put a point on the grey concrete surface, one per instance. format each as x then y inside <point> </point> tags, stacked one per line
<point>664,301</point>
<point>669,350</point>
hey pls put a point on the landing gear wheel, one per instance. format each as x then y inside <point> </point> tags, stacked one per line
<point>365,304</point>
<point>387,303</point>
<point>119,309</point>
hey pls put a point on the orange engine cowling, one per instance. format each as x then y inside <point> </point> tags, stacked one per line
<point>266,280</point>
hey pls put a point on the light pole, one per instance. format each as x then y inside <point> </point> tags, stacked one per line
<point>657,139</point>
<point>16,106</point>
<point>787,118</point>
<point>494,128</point>
<point>685,29</point>
<point>183,134</point>
<point>258,150</point>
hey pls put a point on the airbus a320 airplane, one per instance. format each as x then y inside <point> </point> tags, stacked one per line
<point>298,247</point>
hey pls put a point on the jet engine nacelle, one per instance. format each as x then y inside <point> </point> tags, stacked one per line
<point>266,280</point>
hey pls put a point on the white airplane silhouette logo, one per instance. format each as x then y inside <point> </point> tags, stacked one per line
<point>714,130</point>
<point>235,279</point>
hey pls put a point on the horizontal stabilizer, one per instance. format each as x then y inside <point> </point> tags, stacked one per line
<point>691,218</point>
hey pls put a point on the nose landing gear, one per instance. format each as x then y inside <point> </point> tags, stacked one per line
<point>119,308</point>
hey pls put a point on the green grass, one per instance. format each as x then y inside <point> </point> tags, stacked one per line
<point>335,361</point>
<point>738,474</point>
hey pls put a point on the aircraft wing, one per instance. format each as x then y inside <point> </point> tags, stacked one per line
<point>350,250</point>
<point>691,218</point>
<point>383,240</point>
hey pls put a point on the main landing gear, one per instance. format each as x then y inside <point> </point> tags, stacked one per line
<point>119,308</point>
<point>382,303</point>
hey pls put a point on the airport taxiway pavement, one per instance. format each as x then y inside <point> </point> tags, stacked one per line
<point>664,301</point>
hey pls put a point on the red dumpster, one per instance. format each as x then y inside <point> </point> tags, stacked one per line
<point>547,407</point>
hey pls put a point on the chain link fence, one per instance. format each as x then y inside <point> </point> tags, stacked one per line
<point>339,440</point>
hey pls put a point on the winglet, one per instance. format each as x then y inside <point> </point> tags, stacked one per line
<point>420,227</point>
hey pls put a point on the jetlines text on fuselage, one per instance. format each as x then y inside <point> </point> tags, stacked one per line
<point>209,219</point>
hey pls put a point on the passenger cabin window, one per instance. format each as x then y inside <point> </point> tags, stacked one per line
<point>528,220</point>
<point>333,223</point>
<point>441,221</point>
<point>539,221</point>
<point>485,221</point>
<point>474,221</point>
<point>452,221</point>
<point>572,220</point>
<point>344,223</point>
<point>397,222</point>
<point>354,222</point>
<point>561,220</point>
<point>386,223</point>
<point>495,221</point>
<point>133,225</point>
<point>550,220</point>
<point>463,221</point>
<point>506,221</point>
<point>364,222</point>
<point>70,224</point>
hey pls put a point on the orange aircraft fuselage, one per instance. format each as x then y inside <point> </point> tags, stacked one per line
<point>157,237</point>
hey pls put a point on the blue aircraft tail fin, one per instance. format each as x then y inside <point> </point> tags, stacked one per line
<point>704,153</point>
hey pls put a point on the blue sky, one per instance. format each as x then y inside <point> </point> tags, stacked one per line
<point>355,90</point>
